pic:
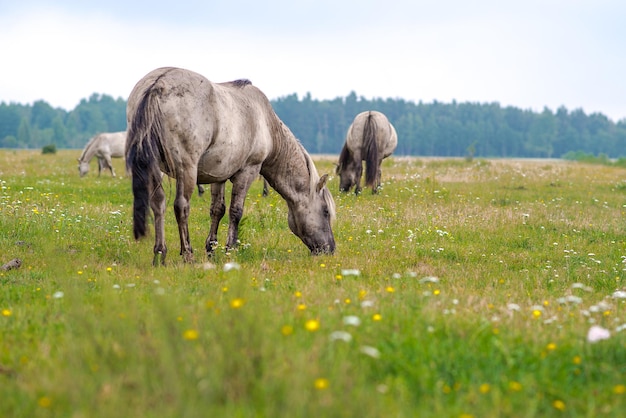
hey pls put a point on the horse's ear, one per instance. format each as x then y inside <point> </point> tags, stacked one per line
<point>322,182</point>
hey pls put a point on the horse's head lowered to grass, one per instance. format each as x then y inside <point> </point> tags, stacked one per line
<point>199,132</point>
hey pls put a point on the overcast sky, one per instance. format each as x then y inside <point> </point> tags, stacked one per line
<point>530,54</point>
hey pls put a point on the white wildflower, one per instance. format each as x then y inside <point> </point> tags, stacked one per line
<point>513,307</point>
<point>597,333</point>
<point>231,266</point>
<point>341,335</point>
<point>569,299</point>
<point>352,320</point>
<point>370,351</point>
<point>367,304</point>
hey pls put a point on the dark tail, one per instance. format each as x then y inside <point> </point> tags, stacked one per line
<point>144,151</point>
<point>371,151</point>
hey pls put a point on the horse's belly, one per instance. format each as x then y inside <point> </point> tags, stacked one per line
<point>213,169</point>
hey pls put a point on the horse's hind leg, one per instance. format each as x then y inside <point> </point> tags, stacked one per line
<point>184,190</point>
<point>157,203</point>
<point>376,186</point>
<point>218,209</point>
<point>357,176</point>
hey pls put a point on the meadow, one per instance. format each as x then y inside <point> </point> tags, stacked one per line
<point>484,288</point>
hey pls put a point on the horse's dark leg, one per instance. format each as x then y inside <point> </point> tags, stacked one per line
<point>376,185</point>
<point>100,164</point>
<point>218,209</point>
<point>184,189</point>
<point>157,203</point>
<point>265,188</point>
<point>241,183</point>
<point>357,176</point>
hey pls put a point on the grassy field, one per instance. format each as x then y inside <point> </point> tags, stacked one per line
<point>463,289</point>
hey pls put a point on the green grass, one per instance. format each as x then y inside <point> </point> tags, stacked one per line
<point>465,305</point>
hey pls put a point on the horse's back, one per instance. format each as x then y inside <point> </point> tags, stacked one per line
<point>115,142</point>
<point>386,136</point>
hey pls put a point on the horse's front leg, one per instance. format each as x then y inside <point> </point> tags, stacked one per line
<point>100,165</point>
<point>184,189</point>
<point>218,209</point>
<point>109,165</point>
<point>241,183</point>
<point>157,204</point>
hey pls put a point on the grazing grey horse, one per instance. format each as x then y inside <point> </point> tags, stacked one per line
<point>197,131</point>
<point>371,138</point>
<point>104,146</point>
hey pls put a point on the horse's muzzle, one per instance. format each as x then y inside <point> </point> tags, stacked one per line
<point>323,250</point>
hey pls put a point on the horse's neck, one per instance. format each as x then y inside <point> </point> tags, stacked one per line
<point>287,169</point>
<point>90,150</point>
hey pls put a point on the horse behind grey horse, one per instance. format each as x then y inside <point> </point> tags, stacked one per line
<point>104,146</point>
<point>197,131</point>
<point>371,138</point>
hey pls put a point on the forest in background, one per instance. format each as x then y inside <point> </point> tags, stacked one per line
<point>424,129</point>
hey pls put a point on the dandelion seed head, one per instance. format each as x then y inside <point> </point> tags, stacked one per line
<point>370,351</point>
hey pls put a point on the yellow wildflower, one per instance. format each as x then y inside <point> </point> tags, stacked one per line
<point>312,325</point>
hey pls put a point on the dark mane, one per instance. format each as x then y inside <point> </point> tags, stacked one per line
<point>241,82</point>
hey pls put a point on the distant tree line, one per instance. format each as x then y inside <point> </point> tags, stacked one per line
<point>424,129</point>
